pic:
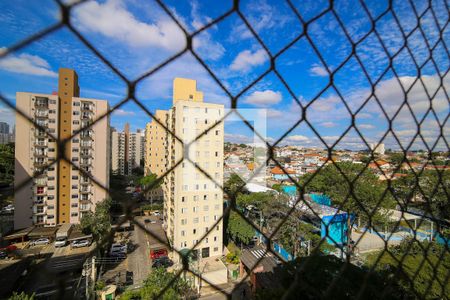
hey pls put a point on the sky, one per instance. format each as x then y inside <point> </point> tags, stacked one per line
<point>137,36</point>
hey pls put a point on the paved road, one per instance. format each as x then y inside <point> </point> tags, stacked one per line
<point>138,259</point>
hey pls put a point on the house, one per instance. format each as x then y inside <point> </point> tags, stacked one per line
<point>278,174</point>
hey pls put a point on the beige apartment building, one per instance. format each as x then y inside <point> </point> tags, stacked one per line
<point>127,150</point>
<point>192,202</point>
<point>53,191</point>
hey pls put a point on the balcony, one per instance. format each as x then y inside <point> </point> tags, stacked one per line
<point>85,162</point>
<point>87,107</point>
<point>40,162</point>
<point>87,134</point>
<point>41,102</point>
<point>41,113</point>
<point>40,181</point>
<point>86,153</point>
<point>40,211</point>
<point>85,190</point>
<point>85,198</point>
<point>85,207</point>
<point>86,116</point>
<point>40,133</point>
<point>40,203</point>
<point>86,144</point>
<point>40,152</point>
<point>40,143</point>
<point>42,123</point>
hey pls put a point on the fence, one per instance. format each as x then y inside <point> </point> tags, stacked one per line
<point>436,53</point>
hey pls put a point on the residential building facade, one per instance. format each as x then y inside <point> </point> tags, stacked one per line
<point>193,203</point>
<point>51,191</point>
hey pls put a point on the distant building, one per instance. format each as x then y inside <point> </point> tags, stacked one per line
<point>127,150</point>
<point>377,148</point>
<point>5,135</point>
<point>278,174</point>
<point>53,191</point>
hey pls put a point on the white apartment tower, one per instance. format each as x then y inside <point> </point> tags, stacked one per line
<point>50,191</point>
<point>193,203</point>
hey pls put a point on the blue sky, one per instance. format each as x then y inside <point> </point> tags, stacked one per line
<point>135,36</point>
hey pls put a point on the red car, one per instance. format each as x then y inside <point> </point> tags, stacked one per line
<point>157,253</point>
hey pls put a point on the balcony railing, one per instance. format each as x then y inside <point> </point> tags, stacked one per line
<point>87,106</point>
<point>86,144</point>
<point>40,143</point>
<point>41,102</point>
<point>40,152</point>
<point>41,113</point>
<point>40,181</point>
<point>40,162</point>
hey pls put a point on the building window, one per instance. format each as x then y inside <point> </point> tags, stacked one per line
<point>194,231</point>
<point>217,154</point>
<point>215,217</point>
<point>205,208</point>
<point>206,219</point>
<point>206,240</point>
<point>74,187</point>
<point>205,252</point>
<point>76,113</point>
<point>196,198</point>
<point>195,208</point>
<point>215,239</point>
<point>183,210</point>
<point>76,104</point>
<point>75,122</point>
<point>216,249</point>
<point>205,197</point>
<point>75,177</point>
<point>182,199</point>
<point>183,233</point>
<point>216,207</point>
<point>52,101</point>
<point>75,196</point>
<point>195,220</point>
<point>74,214</point>
<point>74,149</point>
<point>183,221</point>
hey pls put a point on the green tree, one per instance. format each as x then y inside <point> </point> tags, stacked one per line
<point>6,163</point>
<point>368,191</point>
<point>420,267</point>
<point>157,280</point>
<point>21,296</point>
<point>310,278</point>
<point>98,223</point>
<point>432,186</point>
<point>239,230</point>
<point>234,184</point>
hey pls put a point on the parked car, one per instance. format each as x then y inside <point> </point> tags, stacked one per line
<point>157,253</point>
<point>80,243</point>
<point>164,262</point>
<point>41,241</point>
<point>60,242</point>
<point>3,254</point>
<point>156,213</point>
<point>118,248</point>
<point>147,221</point>
<point>118,254</point>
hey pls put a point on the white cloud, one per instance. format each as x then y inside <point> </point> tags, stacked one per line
<point>297,138</point>
<point>317,70</point>
<point>263,98</point>
<point>247,59</point>
<point>113,20</point>
<point>328,124</point>
<point>366,126</point>
<point>26,64</point>
<point>120,112</point>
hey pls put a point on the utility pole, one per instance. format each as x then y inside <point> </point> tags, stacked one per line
<point>86,275</point>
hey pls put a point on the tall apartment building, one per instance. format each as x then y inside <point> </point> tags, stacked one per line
<point>127,150</point>
<point>155,153</point>
<point>58,192</point>
<point>5,135</point>
<point>192,202</point>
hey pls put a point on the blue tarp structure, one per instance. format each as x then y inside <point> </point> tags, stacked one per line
<point>321,199</point>
<point>334,228</point>
<point>290,190</point>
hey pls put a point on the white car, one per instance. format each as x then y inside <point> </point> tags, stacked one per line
<point>80,243</point>
<point>118,248</point>
<point>41,241</point>
<point>60,242</point>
